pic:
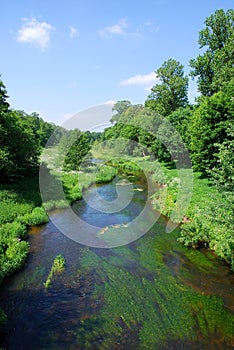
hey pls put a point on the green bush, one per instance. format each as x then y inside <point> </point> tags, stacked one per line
<point>15,256</point>
<point>13,230</point>
<point>59,204</point>
<point>105,174</point>
<point>212,227</point>
<point>37,217</point>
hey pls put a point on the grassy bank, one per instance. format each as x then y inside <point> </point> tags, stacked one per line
<point>21,207</point>
<point>207,218</point>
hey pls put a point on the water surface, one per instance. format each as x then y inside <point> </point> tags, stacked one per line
<point>150,294</point>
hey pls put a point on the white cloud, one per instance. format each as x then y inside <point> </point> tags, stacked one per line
<point>147,80</point>
<point>110,102</point>
<point>35,32</point>
<point>116,29</point>
<point>74,33</point>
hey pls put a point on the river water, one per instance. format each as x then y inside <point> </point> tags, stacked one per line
<point>149,294</point>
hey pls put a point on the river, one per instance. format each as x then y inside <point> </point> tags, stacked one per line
<point>150,294</point>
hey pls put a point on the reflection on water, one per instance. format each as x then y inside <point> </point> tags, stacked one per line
<point>101,298</point>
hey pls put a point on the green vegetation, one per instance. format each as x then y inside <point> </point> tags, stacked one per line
<point>172,91</point>
<point>152,303</point>
<point>57,268</point>
<point>156,137</point>
<point>167,128</point>
<point>105,174</point>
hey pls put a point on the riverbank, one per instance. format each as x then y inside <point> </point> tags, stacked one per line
<point>21,207</point>
<point>207,219</point>
<point>152,293</point>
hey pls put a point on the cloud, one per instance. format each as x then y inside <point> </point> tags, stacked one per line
<point>35,32</point>
<point>74,33</point>
<point>110,102</point>
<point>116,29</point>
<point>147,80</point>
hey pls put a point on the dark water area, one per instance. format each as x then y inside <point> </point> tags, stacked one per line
<point>149,294</point>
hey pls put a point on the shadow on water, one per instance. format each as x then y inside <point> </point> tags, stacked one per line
<point>152,293</point>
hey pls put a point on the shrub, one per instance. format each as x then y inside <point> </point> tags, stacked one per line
<point>13,230</point>
<point>16,254</point>
<point>37,217</point>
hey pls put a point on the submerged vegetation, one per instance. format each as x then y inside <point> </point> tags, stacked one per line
<point>57,268</point>
<point>140,292</point>
<point>156,138</point>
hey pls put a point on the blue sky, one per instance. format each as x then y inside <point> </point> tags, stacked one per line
<point>60,57</point>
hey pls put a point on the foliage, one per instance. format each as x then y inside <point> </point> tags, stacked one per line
<point>212,231</point>
<point>223,172</point>
<point>209,127</point>
<point>18,198</point>
<point>105,174</point>
<point>77,152</point>
<point>57,268</point>
<point>21,139</point>
<point>120,107</point>
<point>37,217</point>
<point>215,68</point>
<point>171,93</point>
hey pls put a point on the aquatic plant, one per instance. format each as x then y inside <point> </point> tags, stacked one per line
<point>57,268</point>
<point>141,293</point>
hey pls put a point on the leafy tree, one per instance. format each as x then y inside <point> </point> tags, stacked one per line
<point>181,119</point>
<point>119,108</point>
<point>77,152</point>
<point>223,172</point>
<point>19,148</point>
<point>171,93</point>
<point>4,105</point>
<point>41,129</point>
<point>215,67</point>
<point>19,143</point>
<point>209,127</point>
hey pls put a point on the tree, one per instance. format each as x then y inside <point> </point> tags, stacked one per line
<point>171,93</point>
<point>215,67</point>
<point>209,127</point>
<point>77,152</point>
<point>19,146</point>
<point>119,108</point>
<point>4,105</point>
<point>223,172</point>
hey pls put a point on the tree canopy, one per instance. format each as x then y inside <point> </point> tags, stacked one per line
<point>171,93</point>
<point>214,68</point>
<point>22,137</point>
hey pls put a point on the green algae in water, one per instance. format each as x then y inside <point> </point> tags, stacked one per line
<point>148,299</point>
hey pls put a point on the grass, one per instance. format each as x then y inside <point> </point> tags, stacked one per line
<point>18,198</point>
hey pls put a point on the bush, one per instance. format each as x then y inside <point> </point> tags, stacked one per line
<point>13,230</point>
<point>15,256</point>
<point>105,174</point>
<point>212,227</point>
<point>59,204</point>
<point>37,217</point>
